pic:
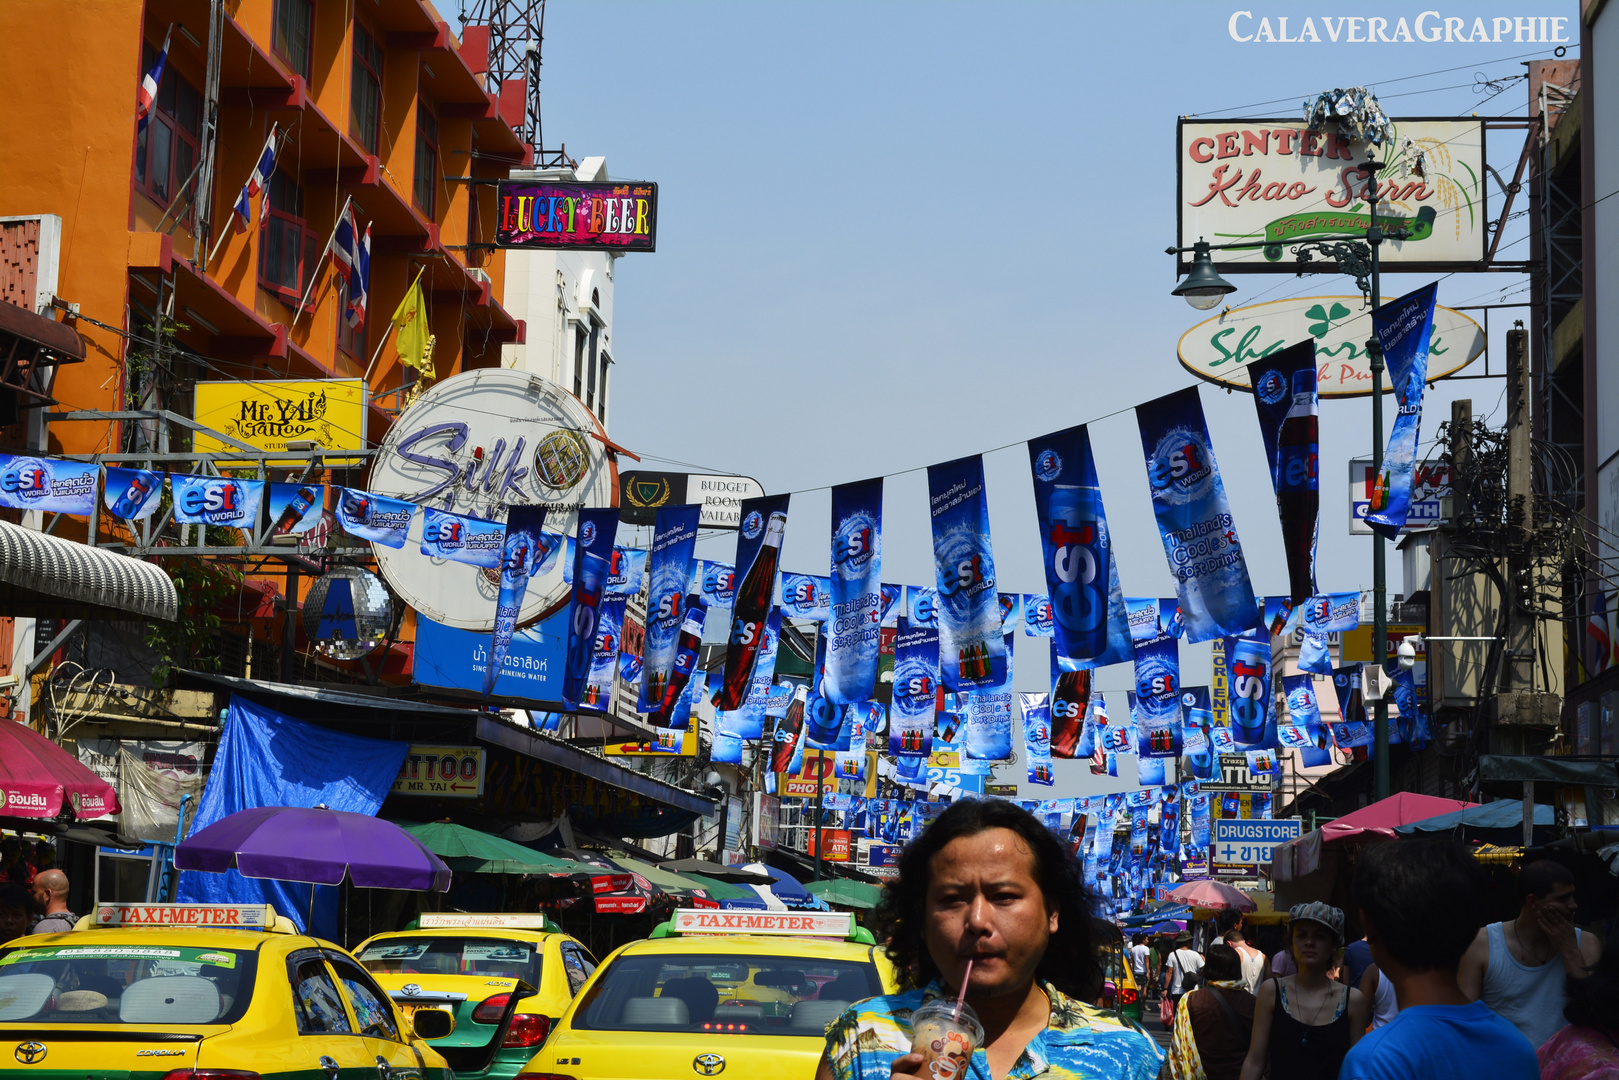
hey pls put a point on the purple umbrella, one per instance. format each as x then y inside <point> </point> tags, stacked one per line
<point>318,846</point>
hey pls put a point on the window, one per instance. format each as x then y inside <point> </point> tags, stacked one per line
<point>372,1010</point>
<point>287,250</point>
<point>165,157</point>
<point>580,338</point>
<point>577,965</point>
<point>492,957</point>
<point>117,983</point>
<point>590,376</point>
<point>365,112</point>
<point>601,395</point>
<point>426,158</point>
<point>315,1000</point>
<point>294,20</point>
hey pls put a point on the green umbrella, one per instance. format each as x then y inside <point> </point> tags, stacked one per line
<point>470,851</point>
<point>723,890</point>
<point>671,882</point>
<point>848,893</point>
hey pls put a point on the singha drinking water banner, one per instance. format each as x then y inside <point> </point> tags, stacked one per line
<point>376,518</point>
<point>857,592</point>
<point>131,494</point>
<point>519,554</point>
<point>1070,709</point>
<point>674,539</point>
<point>806,596</point>
<point>972,649</point>
<point>294,508</point>
<point>219,500</point>
<point>1403,329</point>
<point>1037,738</point>
<point>593,546</point>
<point>1285,394</point>
<point>459,538</point>
<point>916,690</point>
<point>758,554</point>
<point>62,487</point>
<point>1081,577</point>
<point>1194,519</point>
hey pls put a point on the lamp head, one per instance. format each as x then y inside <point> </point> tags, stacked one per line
<point>1203,287</point>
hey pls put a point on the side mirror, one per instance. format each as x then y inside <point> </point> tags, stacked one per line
<point>432,1024</point>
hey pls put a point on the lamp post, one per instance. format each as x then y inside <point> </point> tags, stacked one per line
<point>1357,256</point>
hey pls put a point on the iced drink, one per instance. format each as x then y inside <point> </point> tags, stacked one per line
<point>945,1034</point>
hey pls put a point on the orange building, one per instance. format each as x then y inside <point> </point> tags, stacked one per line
<point>376,102</point>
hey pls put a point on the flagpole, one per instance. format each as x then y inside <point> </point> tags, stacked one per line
<point>367,377</point>
<point>298,312</point>
<point>280,138</point>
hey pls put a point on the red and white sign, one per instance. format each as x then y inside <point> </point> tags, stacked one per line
<point>184,915</point>
<point>620,905</point>
<point>1430,483</point>
<point>434,920</point>
<point>786,923</point>
<point>834,845</point>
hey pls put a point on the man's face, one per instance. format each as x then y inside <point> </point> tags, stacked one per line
<point>42,896</point>
<point>13,923</point>
<point>1560,900</point>
<point>984,904</point>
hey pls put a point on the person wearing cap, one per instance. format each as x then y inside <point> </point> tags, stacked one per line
<point>1305,1023</point>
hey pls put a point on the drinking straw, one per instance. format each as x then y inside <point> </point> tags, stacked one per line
<point>961,997</point>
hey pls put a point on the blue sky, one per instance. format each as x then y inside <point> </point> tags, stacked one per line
<point>896,233</point>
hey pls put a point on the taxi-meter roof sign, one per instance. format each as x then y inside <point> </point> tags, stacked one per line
<point>835,924</point>
<point>439,920</point>
<point>191,915</point>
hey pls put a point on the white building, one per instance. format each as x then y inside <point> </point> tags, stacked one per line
<point>565,298</point>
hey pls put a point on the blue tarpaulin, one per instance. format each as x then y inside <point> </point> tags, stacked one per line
<point>268,759</point>
<point>1501,814</point>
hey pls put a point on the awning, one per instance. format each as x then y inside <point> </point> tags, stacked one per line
<point>1520,768</point>
<point>1501,814</point>
<point>846,893</point>
<point>38,778</point>
<point>59,339</point>
<point>46,577</point>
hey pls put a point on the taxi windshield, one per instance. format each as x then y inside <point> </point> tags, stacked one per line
<point>741,995</point>
<point>111,983</point>
<point>453,956</point>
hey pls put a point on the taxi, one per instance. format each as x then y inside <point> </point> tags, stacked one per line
<point>201,992</point>
<point>1120,994</point>
<point>748,993</point>
<point>506,979</point>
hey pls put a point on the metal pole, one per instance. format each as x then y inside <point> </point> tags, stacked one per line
<point>815,826</point>
<point>1380,620</point>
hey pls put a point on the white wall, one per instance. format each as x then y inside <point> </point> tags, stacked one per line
<point>1603,291</point>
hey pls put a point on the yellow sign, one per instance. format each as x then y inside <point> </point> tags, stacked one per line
<point>668,743</point>
<point>447,772</point>
<point>945,759</point>
<point>329,413</point>
<point>1358,642</point>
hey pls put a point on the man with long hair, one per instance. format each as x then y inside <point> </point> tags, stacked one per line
<point>988,885</point>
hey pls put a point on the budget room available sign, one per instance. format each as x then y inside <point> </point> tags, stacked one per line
<point>1277,183</point>
<point>1221,348</point>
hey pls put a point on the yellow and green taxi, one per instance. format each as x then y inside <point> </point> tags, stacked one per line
<point>748,993</point>
<point>506,978</point>
<point>1120,994</point>
<point>201,992</point>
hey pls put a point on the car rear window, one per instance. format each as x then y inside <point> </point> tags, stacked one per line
<point>453,956</point>
<point>744,995</point>
<point>109,983</point>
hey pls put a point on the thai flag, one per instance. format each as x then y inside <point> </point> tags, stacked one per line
<point>1596,629</point>
<point>346,241</point>
<point>360,281</point>
<point>148,91</point>
<point>242,212</point>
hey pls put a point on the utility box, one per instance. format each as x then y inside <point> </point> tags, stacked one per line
<point>1527,708</point>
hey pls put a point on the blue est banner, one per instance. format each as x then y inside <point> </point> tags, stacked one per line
<point>1037,738</point>
<point>1305,713</point>
<point>459,538</point>
<point>674,540</point>
<point>1248,676</point>
<point>989,725</point>
<point>1199,711</point>
<point>131,494</point>
<point>1037,620</point>
<point>893,604</point>
<point>916,690</point>
<point>520,551</point>
<point>922,606</point>
<point>373,517</point>
<point>593,547</point>
<point>1403,329</point>
<point>294,508</point>
<point>1330,612</point>
<point>1158,697</point>
<point>719,584</point>
<point>216,500</point>
<point>625,570</point>
<point>806,596</point>
<point>1285,395</point>
<point>855,620</point>
<point>1194,519</point>
<point>604,656</point>
<point>62,487</point>
<point>972,648</point>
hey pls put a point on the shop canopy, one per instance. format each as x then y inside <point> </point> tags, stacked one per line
<point>46,577</point>
<point>470,851</point>
<point>1296,858</point>
<point>843,892</point>
<point>39,779</point>
<point>1501,814</point>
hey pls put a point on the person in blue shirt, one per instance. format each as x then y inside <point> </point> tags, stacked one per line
<point>1421,905</point>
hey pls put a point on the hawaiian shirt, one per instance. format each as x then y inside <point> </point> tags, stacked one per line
<point>1079,1043</point>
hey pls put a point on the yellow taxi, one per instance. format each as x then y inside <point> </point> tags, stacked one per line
<point>747,993</point>
<point>201,992</point>
<point>506,978</point>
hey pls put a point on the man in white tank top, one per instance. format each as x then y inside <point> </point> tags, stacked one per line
<point>1519,968</point>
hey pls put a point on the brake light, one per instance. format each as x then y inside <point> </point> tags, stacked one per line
<point>716,1026</point>
<point>1128,996</point>
<point>211,1074</point>
<point>489,1010</point>
<point>527,1030</point>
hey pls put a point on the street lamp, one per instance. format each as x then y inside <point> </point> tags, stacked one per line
<point>1203,287</point>
<point>1357,256</point>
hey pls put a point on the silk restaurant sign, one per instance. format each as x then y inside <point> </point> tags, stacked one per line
<point>1276,183</point>
<point>617,216</point>
<point>1220,349</point>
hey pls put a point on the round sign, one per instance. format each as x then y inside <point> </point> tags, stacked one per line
<point>347,613</point>
<point>1220,349</point>
<point>475,444</point>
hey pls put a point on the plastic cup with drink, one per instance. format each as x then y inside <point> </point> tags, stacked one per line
<point>946,1033</point>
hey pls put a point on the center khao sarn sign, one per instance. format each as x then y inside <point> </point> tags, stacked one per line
<point>1276,183</point>
<point>1220,349</point>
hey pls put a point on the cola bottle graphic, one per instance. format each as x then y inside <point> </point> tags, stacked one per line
<point>749,611</point>
<point>1078,571</point>
<point>134,497</point>
<point>691,639</point>
<point>1298,494</point>
<point>788,731</point>
<point>295,511</point>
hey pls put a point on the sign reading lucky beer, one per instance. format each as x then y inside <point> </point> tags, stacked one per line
<point>613,216</point>
<point>1220,349</point>
<point>1277,183</point>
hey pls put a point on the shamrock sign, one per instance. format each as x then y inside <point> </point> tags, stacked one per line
<point>1325,318</point>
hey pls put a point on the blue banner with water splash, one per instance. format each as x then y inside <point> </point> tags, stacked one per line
<point>520,552</point>
<point>220,500</point>
<point>916,690</point>
<point>593,548</point>
<point>1248,679</point>
<point>1285,395</point>
<point>972,648</point>
<point>376,518</point>
<point>1403,328</point>
<point>462,539</point>
<point>857,592</point>
<point>1158,697</point>
<point>61,487</point>
<point>131,494</point>
<point>674,542</point>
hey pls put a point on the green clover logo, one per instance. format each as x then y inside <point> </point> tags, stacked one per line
<point>1324,318</point>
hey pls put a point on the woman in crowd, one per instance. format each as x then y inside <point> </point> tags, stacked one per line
<point>1588,1048</point>
<point>1305,1023</point>
<point>1213,1023</point>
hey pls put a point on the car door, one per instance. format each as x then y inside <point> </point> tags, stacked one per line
<point>377,1023</point>
<point>327,1042</point>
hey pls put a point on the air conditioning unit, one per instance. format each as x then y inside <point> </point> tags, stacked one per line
<point>478,273</point>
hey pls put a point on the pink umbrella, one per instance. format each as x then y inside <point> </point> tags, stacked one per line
<point>1215,895</point>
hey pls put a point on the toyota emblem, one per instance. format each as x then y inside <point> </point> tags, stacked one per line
<point>31,1053</point>
<point>410,989</point>
<point>705,1064</point>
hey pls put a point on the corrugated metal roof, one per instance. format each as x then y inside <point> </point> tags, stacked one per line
<point>45,576</point>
